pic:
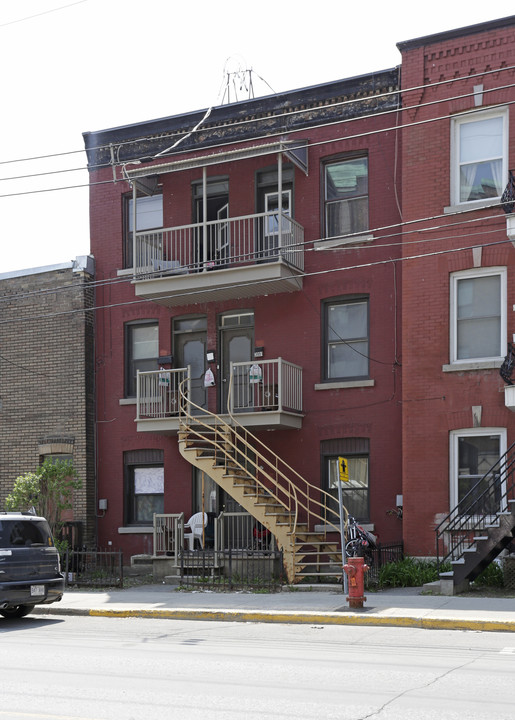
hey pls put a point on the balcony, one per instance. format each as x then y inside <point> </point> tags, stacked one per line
<point>220,260</point>
<point>260,395</point>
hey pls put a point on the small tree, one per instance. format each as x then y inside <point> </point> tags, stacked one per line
<point>49,490</point>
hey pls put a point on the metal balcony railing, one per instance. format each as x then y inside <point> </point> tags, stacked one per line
<point>266,386</point>
<point>158,393</point>
<point>270,385</point>
<point>219,244</point>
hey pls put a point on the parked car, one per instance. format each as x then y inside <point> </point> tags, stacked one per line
<point>30,572</point>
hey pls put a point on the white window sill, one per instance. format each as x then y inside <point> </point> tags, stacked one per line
<point>127,401</point>
<point>124,272</point>
<point>327,244</point>
<point>344,384</point>
<point>137,529</point>
<point>471,205</point>
<point>473,365</point>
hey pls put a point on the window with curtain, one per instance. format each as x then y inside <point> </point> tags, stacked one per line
<point>345,197</point>
<point>144,486</point>
<point>479,168</point>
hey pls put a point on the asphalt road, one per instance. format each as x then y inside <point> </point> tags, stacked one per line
<point>133,669</point>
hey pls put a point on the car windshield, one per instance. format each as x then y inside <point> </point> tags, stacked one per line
<point>19,533</point>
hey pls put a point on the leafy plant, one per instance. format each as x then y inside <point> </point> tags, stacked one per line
<point>409,572</point>
<point>49,490</point>
<point>491,576</point>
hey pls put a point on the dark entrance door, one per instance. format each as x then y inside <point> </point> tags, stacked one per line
<point>190,340</point>
<point>236,344</point>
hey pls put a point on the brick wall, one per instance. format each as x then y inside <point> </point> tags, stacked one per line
<point>46,379</point>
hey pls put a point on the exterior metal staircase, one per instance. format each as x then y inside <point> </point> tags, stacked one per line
<point>266,487</point>
<point>479,527</point>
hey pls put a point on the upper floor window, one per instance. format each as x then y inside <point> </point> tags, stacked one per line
<point>479,160</point>
<point>345,339</point>
<point>141,352</point>
<point>149,216</point>
<point>346,197</point>
<point>478,314</point>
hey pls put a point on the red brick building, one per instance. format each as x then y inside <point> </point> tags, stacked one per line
<point>218,275</point>
<point>458,291</point>
<point>338,258</point>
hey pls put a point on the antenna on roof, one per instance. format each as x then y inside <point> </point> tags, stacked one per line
<point>237,83</point>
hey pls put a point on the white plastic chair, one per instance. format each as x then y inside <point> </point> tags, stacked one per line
<point>195,524</point>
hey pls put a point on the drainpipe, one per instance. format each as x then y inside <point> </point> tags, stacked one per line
<point>134,228</point>
<point>280,197</point>
<point>204,218</point>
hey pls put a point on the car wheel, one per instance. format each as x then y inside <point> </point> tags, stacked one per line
<point>16,612</point>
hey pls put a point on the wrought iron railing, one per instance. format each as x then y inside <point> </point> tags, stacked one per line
<point>230,569</point>
<point>92,568</point>
<point>219,244</point>
<point>478,509</point>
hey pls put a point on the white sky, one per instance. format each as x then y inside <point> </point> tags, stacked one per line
<point>93,64</point>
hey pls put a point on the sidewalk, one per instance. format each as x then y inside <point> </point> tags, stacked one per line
<point>322,605</point>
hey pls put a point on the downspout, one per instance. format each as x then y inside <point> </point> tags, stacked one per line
<point>204,218</point>
<point>280,197</point>
<point>134,229</point>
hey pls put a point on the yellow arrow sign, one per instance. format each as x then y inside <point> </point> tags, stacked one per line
<point>343,469</point>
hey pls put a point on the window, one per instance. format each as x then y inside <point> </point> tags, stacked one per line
<point>355,493</point>
<point>473,453</point>
<point>479,166</point>
<point>141,352</point>
<point>149,216</point>
<point>346,197</point>
<point>144,486</point>
<point>478,314</point>
<point>345,344</point>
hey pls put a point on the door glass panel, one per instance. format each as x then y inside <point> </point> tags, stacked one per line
<point>236,346</point>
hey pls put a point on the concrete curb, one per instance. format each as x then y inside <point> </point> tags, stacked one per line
<point>297,617</point>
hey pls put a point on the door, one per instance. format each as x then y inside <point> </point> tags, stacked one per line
<point>236,345</point>
<point>190,341</point>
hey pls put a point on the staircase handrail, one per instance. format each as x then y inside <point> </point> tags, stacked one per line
<point>291,490</point>
<point>297,475</point>
<point>474,511</point>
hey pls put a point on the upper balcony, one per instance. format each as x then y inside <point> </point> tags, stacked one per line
<point>222,259</point>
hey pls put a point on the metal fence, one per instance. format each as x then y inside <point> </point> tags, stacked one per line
<point>252,570</point>
<point>384,553</point>
<point>92,568</point>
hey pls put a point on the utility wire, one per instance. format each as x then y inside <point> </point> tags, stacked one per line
<point>386,261</point>
<point>249,121</point>
<point>342,248</point>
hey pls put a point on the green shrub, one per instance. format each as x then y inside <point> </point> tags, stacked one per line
<point>409,572</point>
<point>492,576</point>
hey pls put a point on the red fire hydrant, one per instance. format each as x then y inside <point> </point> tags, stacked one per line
<point>356,570</point>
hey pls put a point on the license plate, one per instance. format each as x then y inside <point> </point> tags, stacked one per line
<point>37,590</point>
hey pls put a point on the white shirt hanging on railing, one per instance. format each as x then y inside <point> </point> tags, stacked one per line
<point>255,374</point>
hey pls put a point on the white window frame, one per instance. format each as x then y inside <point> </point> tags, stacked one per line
<point>454,437</point>
<point>457,122</point>
<point>453,319</point>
